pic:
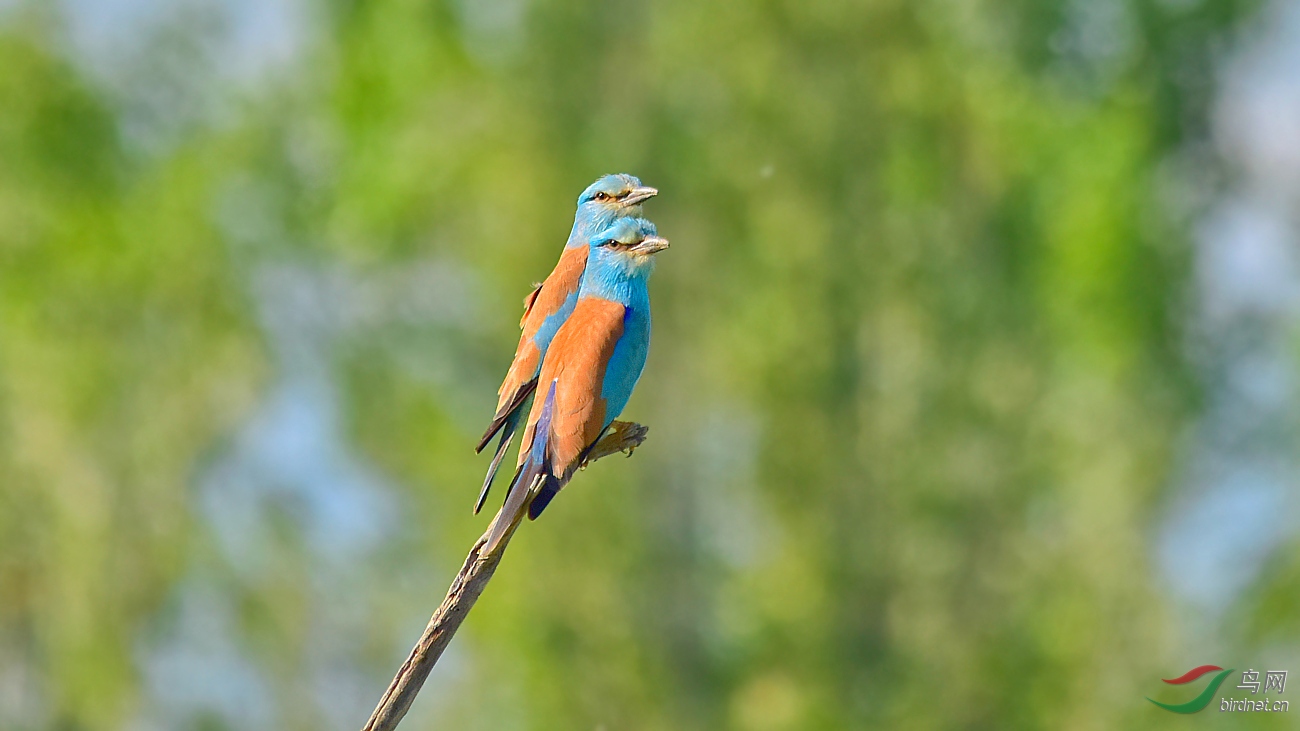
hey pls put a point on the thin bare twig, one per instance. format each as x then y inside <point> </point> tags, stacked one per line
<point>465,589</point>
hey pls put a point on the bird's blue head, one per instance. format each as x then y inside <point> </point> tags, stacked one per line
<point>624,251</point>
<point>609,198</point>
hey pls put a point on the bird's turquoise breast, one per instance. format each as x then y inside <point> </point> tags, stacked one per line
<point>627,361</point>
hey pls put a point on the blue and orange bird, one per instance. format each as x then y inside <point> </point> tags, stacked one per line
<point>593,363</point>
<point>550,304</point>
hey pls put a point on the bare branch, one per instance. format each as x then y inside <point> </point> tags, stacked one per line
<point>470,581</point>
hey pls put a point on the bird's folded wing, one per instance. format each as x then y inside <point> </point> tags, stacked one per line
<point>547,299</point>
<point>576,363</point>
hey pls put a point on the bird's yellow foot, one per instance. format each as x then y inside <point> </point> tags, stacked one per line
<point>622,436</point>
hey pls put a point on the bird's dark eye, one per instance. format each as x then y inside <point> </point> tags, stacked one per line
<point>602,196</point>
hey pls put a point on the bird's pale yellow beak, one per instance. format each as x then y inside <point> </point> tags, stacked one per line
<point>638,195</point>
<point>650,245</point>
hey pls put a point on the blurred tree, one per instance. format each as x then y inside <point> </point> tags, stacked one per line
<point>123,355</point>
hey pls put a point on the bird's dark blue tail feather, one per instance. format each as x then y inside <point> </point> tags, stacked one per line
<point>545,493</point>
<point>537,467</point>
<point>507,436</point>
<point>507,414</point>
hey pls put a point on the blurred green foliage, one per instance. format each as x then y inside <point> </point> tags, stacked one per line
<point>915,390</point>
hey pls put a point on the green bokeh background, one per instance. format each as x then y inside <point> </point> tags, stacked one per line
<point>920,392</point>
